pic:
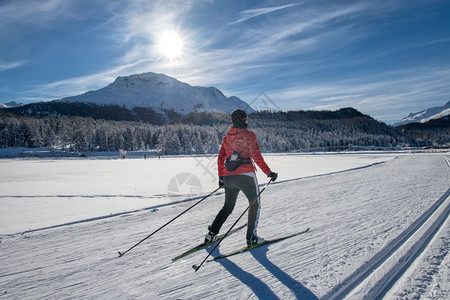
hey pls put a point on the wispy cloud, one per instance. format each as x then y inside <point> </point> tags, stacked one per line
<point>252,13</point>
<point>261,49</point>
<point>10,65</point>
<point>37,13</point>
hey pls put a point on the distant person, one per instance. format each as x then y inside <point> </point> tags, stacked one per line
<point>237,155</point>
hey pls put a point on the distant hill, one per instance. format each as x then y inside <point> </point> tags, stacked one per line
<point>429,127</point>
<point>426,115</point>
<point>95,111</point>
<point>435,132</point>
<point>11,104</point>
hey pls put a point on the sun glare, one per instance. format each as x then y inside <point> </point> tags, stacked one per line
<point>170,45</point>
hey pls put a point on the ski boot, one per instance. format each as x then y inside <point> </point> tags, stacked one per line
<point>211,236</point>
<point>254,240</point>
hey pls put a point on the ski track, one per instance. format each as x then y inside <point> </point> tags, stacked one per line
<point>393,249</point>
<point>428,276</point>
<point>383,285</point>
<point>354,216</point>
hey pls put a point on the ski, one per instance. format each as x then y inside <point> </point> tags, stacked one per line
<point>248,248</point>
<point>204,245</point>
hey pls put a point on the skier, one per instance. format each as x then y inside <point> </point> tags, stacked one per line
<point>237,173</point>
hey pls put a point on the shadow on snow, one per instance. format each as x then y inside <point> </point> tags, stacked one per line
<point>259,288</point>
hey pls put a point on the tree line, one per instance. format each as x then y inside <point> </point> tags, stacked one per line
<point>88,134</point>
<point>200,133</point>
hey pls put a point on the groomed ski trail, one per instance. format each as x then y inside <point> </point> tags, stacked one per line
<point>403,258</point>
<point>378,276</point>
<point>355,215</point>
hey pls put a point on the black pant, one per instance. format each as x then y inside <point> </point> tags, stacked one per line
<point>233,185</point>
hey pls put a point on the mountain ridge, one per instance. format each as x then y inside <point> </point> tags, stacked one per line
<point>426,115</point>
<point>147,97</point>
<point>11,104</point>
<point>161,93</point>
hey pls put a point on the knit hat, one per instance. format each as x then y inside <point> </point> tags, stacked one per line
<point>238,118</point>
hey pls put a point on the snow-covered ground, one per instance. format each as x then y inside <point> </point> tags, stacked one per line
<point>379,228</point>
<point>47,192</point>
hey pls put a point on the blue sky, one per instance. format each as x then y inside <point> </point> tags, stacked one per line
<point>384,58</point>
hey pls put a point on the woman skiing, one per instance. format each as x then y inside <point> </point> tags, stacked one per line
<point>237,155</point>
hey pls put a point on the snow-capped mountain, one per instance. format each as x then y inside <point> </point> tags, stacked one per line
<point>426,115</point>
<point>11,104</point>
<point>161,93</point>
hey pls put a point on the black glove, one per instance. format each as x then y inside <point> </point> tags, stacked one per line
<point>273,175</point>
<point>220,181</point>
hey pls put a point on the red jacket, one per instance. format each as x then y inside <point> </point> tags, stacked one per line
<point>243,141</point>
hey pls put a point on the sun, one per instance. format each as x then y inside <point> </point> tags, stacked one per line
<point>170,45</point>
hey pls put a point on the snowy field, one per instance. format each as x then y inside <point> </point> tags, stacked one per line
<point>379,228</point>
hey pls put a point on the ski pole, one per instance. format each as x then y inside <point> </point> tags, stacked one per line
<point>195,267</point>
<point>123,253</point>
